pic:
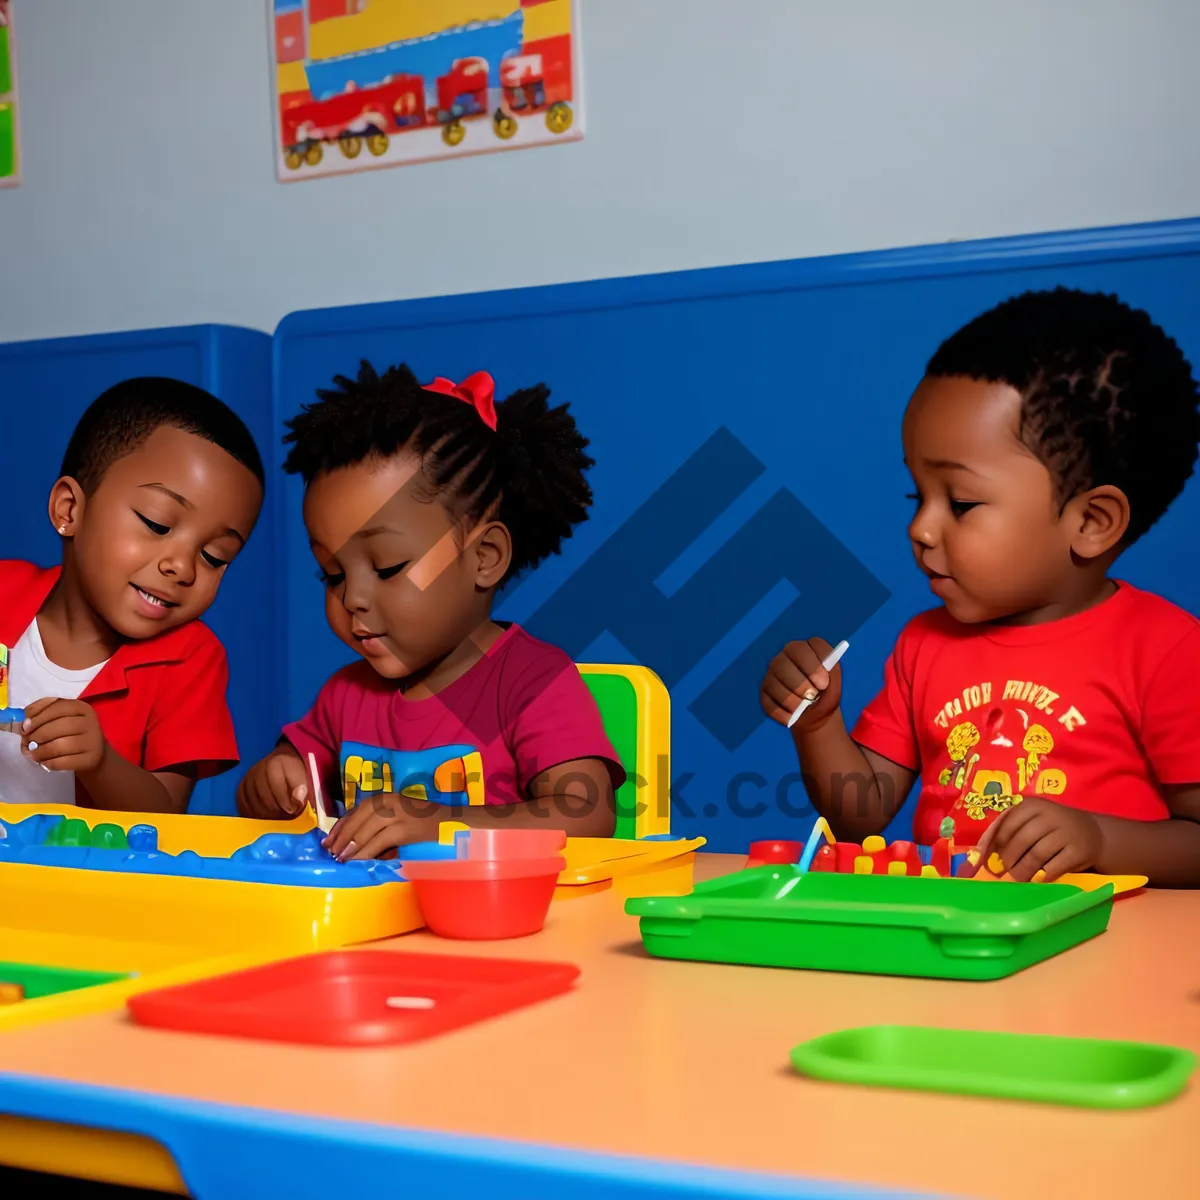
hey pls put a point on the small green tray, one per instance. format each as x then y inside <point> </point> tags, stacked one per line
<point>49,981</point>
<point>1085,1072</point>
<point>778,916</point>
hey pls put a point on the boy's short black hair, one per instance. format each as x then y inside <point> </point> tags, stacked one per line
<point>119,421</point>
<point>1107,396</point>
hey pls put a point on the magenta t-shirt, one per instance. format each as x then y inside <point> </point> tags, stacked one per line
<point>522,709</point>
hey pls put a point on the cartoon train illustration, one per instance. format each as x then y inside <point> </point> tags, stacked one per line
<point>364,100</point>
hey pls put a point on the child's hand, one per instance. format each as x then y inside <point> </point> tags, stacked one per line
<point>378,823</point>
<point>796,674</point>
<point>1038,835</point>
<point>275,788</point>
<point>66,734</point>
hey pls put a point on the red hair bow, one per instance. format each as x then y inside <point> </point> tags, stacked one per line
<point>478,390</point>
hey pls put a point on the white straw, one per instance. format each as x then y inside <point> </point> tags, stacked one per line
<point>830,662</point>
<point>324,823</point>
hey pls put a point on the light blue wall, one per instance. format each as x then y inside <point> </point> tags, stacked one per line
<point>719,131</point>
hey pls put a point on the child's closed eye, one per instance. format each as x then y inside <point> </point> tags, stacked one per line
<point>961,507</point>
<point>331,579</point>
<point>390,572</point>
<point>153,526</point>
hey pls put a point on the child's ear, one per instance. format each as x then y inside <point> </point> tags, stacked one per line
<point>67,503</point>
<point>493,553</point>
<point>1101,520</point>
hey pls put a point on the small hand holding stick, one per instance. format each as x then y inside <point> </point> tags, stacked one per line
<point>830,662</point>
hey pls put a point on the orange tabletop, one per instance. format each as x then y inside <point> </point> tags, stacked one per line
<point>688,1062</point>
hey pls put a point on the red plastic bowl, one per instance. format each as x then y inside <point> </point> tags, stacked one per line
<point>484,900</point>
<point>511,843</point>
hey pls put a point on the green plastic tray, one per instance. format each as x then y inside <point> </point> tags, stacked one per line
<point>49,981</point>
<point>778,916</point>
<point>1084,1072</point>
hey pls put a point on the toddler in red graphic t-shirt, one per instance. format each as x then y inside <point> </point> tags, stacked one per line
<point>420,502</point>
<point>1050,712</point>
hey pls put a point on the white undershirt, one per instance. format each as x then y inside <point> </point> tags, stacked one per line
<point>32,676</point>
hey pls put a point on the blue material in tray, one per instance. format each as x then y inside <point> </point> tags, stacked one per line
<point>293,859</point>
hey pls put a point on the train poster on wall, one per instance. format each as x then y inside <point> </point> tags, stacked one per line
<point>379,83</point>
<point>9,147</point>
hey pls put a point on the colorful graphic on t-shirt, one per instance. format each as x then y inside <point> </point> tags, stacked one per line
<point>450,775</point>
<point>999,754</point>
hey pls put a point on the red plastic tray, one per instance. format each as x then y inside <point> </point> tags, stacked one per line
<point>353,997</point>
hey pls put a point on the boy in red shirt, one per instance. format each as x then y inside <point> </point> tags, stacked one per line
<point>1050,711</point>
<point>123,689</point>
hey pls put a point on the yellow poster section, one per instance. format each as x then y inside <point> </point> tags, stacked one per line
<point>386,21</point>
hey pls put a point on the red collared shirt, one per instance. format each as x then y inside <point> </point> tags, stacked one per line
<point>160,702</point>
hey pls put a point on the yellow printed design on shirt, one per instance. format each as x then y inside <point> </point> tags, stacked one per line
<point>450,775</point>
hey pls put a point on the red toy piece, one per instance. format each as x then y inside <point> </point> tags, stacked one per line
<point>764,853</point>
<point>845,857</point>
<point>353,997</point>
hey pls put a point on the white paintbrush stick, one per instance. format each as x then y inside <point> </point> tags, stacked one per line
<point>324,822</point>
<point>830,662</point>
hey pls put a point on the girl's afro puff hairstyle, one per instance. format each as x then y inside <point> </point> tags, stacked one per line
<point>528,473</point>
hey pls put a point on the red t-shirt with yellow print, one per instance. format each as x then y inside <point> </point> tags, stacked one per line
<point>1095,711</point>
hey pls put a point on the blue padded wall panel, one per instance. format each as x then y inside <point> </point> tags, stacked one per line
<point>749,486</point>
<point>44,388</point>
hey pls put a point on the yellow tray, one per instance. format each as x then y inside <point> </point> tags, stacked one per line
<point>169,930</point>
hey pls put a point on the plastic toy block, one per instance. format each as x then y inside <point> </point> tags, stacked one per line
<point>864,864</point>
<point>939,856</point>
<point>71,832</point>
<point>777,853</point>
<point>76,833</point>
<point>873,845</point>
<point>11,993</point>
<point>929,872</point>
<point>897,868</point>
<point>449,830</point>
<point>995,864</point>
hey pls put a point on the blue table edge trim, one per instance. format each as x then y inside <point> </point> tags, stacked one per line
<point>228,1151</point>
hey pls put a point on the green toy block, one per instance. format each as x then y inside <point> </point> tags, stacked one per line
<point>74,832</point>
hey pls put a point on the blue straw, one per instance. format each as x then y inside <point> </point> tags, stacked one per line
<point>810,847</point>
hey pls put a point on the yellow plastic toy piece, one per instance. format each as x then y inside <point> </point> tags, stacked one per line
<point>897,868</point>
<point>1121,883</point>
<point>995,864</point>
<point>628,868</point>
<point>929,872</point>
<point>447,830</point>
<point>864,865</point>
<point>872,845</point>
